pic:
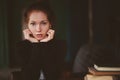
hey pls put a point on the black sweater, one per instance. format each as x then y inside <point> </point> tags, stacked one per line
<point>48,56</point>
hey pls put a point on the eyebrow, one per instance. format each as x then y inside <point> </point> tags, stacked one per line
<point>44,20</point>
<point>41,21</point>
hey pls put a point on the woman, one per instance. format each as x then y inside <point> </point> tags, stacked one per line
<point>39,54</point>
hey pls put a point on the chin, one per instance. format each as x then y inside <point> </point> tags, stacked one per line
<point>39,38</point>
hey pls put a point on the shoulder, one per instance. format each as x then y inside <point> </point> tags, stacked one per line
<point>60,42</point>
<point>23,43</point>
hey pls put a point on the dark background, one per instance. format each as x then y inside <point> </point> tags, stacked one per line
<point>105,24</point>
<point>72,24</point>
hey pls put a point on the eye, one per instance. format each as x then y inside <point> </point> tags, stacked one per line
<point>33,24</point>
<point>43,23</point>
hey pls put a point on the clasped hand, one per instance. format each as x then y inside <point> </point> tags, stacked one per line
<point>27,35</point>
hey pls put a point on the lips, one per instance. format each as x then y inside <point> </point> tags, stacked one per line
<point>39,35</point>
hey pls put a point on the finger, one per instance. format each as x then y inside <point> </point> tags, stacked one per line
<point>27,33</point>
<point>33,40</point>
<point>51,30</point>
<point>51,33</point>
<point>49,36</point>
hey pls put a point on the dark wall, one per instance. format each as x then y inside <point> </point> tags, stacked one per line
<point>106,23</point>
<point>14,23</point>
<point>3,35</point>
<point>79,30</point>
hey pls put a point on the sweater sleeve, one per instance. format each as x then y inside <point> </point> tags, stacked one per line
<point>21,54</point>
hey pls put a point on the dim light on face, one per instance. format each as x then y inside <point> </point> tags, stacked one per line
<point>38,24</point>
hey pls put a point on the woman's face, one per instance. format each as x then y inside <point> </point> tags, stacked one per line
<point>38,24</point>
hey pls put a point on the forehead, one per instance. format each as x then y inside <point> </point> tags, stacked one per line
<point>37,15</point>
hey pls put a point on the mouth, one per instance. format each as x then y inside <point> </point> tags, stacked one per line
<point>39,36</point>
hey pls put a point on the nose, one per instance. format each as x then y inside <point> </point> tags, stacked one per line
<point>38,28</point>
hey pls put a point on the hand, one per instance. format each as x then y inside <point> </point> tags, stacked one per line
<point>50,35</point>
<point>28,35</point>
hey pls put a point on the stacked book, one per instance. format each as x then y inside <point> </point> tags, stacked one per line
<point>103,73</point>
<point>106,68</point>
<point>95,77</point>
<point>100,70</point>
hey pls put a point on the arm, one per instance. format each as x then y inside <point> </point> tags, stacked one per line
<point>21,53</point>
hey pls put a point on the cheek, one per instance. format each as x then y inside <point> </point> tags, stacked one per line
<point>31,29</point>
<point>46,30</point>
